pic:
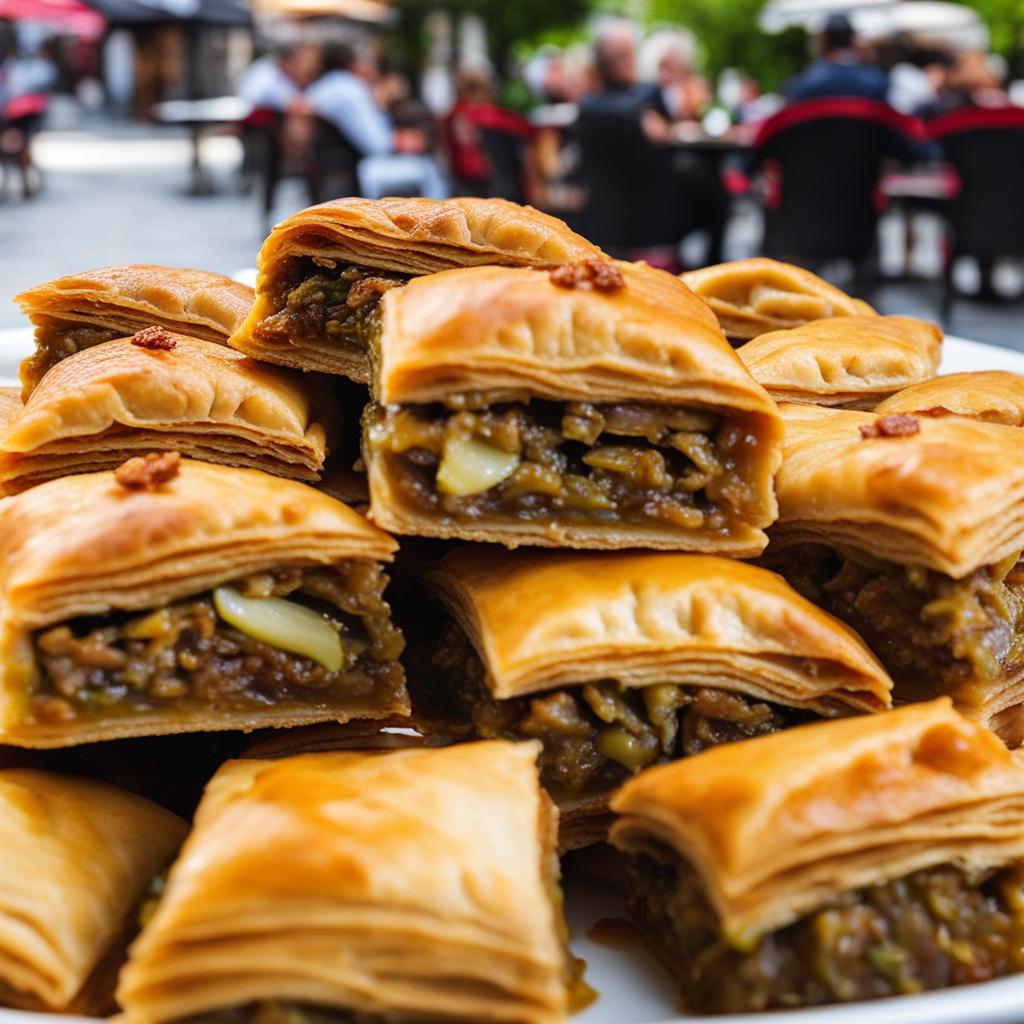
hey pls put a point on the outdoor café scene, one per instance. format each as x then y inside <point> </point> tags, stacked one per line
<point>512,511</point>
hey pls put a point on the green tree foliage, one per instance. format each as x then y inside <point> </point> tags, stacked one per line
<point>509,22</point>
<point>728,34</point>
<point>1005,21</point>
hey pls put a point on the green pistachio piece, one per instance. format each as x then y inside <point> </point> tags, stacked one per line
<point>472,466</point>
<point>630,751</point>
<point>282,624</point>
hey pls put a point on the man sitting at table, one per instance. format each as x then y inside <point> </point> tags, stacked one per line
<point>840,70</point>
<point>393,161</point>
<point>276,81</point>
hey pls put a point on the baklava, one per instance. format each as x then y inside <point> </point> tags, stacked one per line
<point>81,310</point>
<point>910,528</point>
<point>753,296</point>
<point>841,861</point>
<point>849,361</point>
<point>414,885</point>
<point>76,860</point>
<point>619,661</point>
<point>158,391</point>
<point>324,269</point>
<point>586,406</point>
<point>994,396</point>
<point>178,596</point>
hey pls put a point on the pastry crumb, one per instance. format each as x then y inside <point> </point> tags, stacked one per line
<point>588,274</point>
<point>895,424</point>
<point>146,472</point>
<point>156,338</point>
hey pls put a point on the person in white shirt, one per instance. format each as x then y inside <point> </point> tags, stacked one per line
<point>276,81</point>
<point>393,161</point>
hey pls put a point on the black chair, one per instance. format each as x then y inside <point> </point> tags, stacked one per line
<point>822,160</point>
<point>631,202</point>
<point>334,163</point>
<point>504,153</point>
<point>986,217</point>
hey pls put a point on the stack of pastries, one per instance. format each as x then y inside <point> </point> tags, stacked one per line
<point>457,546</point>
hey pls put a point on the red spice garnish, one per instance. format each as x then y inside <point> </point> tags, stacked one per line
<point>589,273</point>
<point>147,472</point>
<point>895,424</point>
<point>155,338</point>
<point>934,411</point>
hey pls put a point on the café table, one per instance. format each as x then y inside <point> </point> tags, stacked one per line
<point>199,117</point>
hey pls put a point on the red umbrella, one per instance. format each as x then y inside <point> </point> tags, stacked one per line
<point>66,15</point>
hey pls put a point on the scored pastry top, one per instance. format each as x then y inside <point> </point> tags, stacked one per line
<point>756,295</point>
<point>212,304</point>
<point>498,329</point>
<point>191,382</point>
<point>420,236</point>
<point>540,621</point>
<point>779,825</point>
<point>844,360</point>
<point>945,493</point>
<point>432,869</point>
<point>995,396</point>
<point>83,544</point>
<point>77,857</point>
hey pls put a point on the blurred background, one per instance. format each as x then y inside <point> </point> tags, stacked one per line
<point>880,143</point>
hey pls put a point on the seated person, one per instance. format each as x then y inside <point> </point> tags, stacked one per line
<point>392,160</point>
<point>840,70</point>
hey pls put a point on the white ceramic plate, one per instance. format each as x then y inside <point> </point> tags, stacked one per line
<point>632,987</point>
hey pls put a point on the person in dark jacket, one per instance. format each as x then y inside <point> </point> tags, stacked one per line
<point>840,70</point>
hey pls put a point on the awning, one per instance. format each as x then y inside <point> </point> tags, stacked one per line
<point>141,12</point>
<point>951,24</point>
<point>373,11</point>
<point>68,16</point>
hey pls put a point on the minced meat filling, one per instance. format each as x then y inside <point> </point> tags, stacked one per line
<point>934,634</point>
<point>184,654</point>
<point>55,343</point>
<point>594,736</point>
<point>635,463</point>
<point>319,299</point>
<point>931,929</point>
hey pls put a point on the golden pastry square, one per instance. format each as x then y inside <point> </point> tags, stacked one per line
<point>324,269</point>
<point>849,361</point>
<point>753,296</point>
<point>411,885</point>
<point>81,310</point>
<point>993,396</point>
<point>596,405</point>
<point>910,528</point>
<point>171,393</point>
<point>618,661</point>
<point>76,858</point>
<point>179,596</point>
<point>840,861</point>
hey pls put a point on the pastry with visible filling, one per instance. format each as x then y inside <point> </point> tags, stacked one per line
<point>595,405</point>
<point>158,391</point>
<point>178,596</point>
<point>407,886</point>
<point>841,861</point>
<point>910,528</point>
<point>619,661</point>
<point>324,269</point>
<point>848,361</point>
<point>994,396</point>
<point>82,310</point>
<point>76,859</point>
<point>753,296</point>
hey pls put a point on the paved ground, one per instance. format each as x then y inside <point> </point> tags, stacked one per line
<point>115,193</point>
